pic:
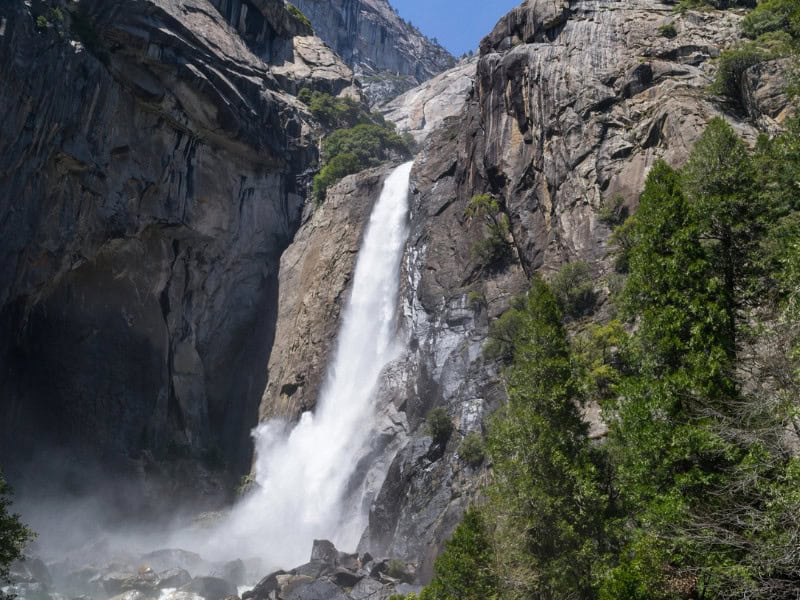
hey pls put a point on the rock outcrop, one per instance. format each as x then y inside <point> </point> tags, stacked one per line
<point>388,54</point>
<point>315,273</point>
<point>422,110</point>
<point>152,170</point>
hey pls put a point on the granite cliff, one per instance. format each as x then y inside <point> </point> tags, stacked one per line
<point>572,103</point>
<point>153,162</point>
<point>164,284</point>
<point>388,54</point>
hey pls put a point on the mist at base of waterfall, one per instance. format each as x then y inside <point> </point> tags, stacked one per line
<point>308,481</point>
<point>303,471</point>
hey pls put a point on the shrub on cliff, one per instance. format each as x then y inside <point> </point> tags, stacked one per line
<point>350,150</point>
<point>465,570</point>
<point>439,425</point>
<point>573,287</point>
<point>494,247</point>
<point>356,139</point>
<point>773,15</point>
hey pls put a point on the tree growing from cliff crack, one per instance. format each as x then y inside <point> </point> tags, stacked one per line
<point>494,246</point>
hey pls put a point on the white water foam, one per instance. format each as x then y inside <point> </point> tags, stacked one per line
<point>303,475</point>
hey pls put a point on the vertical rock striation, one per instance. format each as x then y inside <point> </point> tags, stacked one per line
<point>388,54</point>
<point>152,170</point>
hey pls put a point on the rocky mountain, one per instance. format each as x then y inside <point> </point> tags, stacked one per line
<point>164,284</point>
<point>388,54</point>
<point>153,161</point>
<point>571,105</point>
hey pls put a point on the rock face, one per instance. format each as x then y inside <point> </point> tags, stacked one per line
<point>422,110</point>
<point>315,273</point>
<point>572,103</point>
<point>388,54</point>
<point>151,163</point>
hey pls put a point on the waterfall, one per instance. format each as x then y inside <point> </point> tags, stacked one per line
<point>303,475</point>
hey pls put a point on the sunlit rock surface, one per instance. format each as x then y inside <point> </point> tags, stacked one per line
<point>422,110</point>
<point>388,54</point>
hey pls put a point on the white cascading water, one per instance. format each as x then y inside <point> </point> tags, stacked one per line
<point>303,475</point>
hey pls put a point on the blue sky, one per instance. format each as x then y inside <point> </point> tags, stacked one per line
<point>459,25</point>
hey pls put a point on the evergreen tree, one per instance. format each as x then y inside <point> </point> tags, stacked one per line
<point>546,497</point>
<point>465,570</point>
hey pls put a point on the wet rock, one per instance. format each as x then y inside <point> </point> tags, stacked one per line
<point>30,570</point>
<point>266,587</point>
<point>320,589</point>
<point>175,558</point>
<point>348,560</point>
<point>345,578</point>
<point>233,571</point>
<point>211,588</point>
<point>314,569</point>
<point>324,551</point>
<point>367,588</point>
<point>116,583</point>
<point>133,595</point>
<point>173,578</point>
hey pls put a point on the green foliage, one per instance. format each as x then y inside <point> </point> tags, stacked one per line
<point>774,27</point>
<point>771,16</point>
<point>439,425</point>
<point>334,112</point>
<point>465,570</point>
<point>298,15</point>
<point>668,30</point>
<point>350,150</point>
<point>397,569</point>
<point>475,300</point>
<point>472,450</point>
<point>357,140</point>
<point>14,536</point>
<point>573,288</point>
<point>598,353</point>
<point>546,496</point>
<point>613,212</point>
<point>689,448</point>
<point>504,333</point>
<point>694,491</point>
<point>731,69</point>
<point>494,247</point>
<point>42,22</point>
<point>336,168</point>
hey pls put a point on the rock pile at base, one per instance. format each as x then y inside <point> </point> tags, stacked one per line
<point>175,574</point>
<point>334,575</point>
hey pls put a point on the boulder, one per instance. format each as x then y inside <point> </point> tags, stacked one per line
<point>173,578</point>
<point>211,588</point>
<point>320,589</point>
<point>345,578</point>
<point>265,587</point>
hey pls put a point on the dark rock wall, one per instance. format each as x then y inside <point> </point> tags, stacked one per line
<point>150,177</point>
